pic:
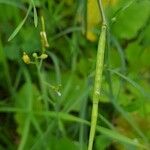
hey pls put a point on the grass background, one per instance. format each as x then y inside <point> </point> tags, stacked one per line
<point>47,105</point>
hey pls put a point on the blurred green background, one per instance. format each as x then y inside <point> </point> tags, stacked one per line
<point>46,104</point>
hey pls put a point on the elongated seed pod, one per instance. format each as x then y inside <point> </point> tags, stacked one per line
<point>97,84</point>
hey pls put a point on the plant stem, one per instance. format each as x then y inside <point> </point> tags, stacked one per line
<point>102,12</point>
<point>98,78</point>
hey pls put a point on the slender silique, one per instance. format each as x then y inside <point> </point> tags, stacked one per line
<point>97,84</point>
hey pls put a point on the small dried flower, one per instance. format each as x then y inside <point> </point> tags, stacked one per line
<point>26,58</point>
<point>43,56</point>
<point>44,39</point>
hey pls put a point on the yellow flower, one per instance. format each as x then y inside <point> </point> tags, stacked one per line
<point>94,17</point>
<point>26,58</point>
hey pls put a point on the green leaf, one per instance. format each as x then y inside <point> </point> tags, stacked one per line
<point>64,143</point>
<point>13,3</point>
<point>27,35</point>
<point>11,51</point>
<point>145,56</point>
<point>114,58</point>
<point>27,95</point>
<point>133,53</point>
<point>35,14</point>
<point>64,116</point>
<point>133,83</point>
<point>102,142</point>
<point>146,36</point>
<point>129,22</point>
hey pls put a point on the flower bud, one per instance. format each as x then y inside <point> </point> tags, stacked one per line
<point>113,19</point>
<point>35,55</point>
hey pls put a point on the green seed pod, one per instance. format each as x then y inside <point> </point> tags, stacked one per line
<point>35,55</point>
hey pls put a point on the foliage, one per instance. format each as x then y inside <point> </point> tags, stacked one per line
<point>47,103</point>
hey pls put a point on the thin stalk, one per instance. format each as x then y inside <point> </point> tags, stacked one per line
<point>102,12</point>
<point>42,86</point>
<point>98,78</point>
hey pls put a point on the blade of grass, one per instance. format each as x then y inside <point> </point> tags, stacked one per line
<point>20,25</point>
<point>65,32</point>
<point>25,133</point>
<point>44,136</point>
<point>35,14</point>
<point>133,83</point>
<point>27,123</point>
<point>66,90</point>
<point>81,13</point>
<point>67,117</point>
<point>13,3</point>
<point>71,104</point>
<point>128,118</point>
<point>43,88</point>
<point>4,138</point>
<point>5,65</point>
<point>123,8</point>
<point>39,130</point>
<point>83,128</point>
<point>113,98</point>
<point>120,52</point>
<point>109,124</point>
<point>57,68</point>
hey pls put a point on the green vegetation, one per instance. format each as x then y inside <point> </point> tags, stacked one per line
<point>48,66</point>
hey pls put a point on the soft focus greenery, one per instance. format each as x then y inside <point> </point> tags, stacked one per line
<point>46,103</point>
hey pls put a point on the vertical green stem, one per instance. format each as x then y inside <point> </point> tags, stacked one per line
<point>98,79</point>
<point>97,84</point>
